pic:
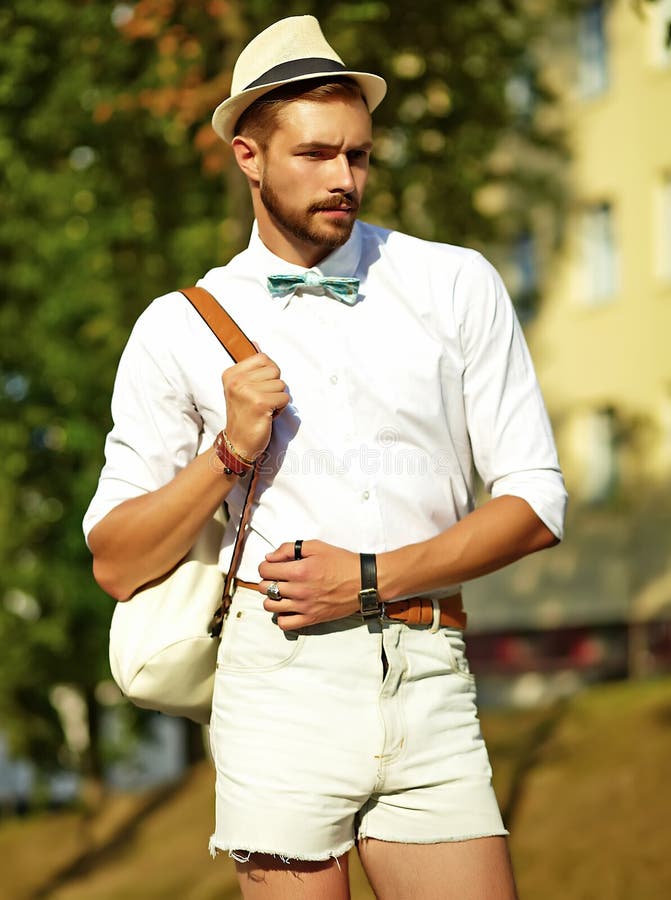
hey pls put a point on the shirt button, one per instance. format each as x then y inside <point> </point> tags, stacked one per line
<point>333,379</point>
<point>366,495</point>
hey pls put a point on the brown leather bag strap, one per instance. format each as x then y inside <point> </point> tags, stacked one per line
<point>242,532</point>
<point>239,347</point>
<point>222,325</point>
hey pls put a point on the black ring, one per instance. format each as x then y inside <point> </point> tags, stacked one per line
<point>298,548</point>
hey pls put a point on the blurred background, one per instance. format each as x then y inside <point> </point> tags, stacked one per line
<point>537,132</point>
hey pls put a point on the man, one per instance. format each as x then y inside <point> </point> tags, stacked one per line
<point>336,719</point>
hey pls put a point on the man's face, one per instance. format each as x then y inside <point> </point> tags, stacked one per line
<point>314,170</point>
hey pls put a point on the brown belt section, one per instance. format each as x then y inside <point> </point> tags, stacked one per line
<point>414,610</point>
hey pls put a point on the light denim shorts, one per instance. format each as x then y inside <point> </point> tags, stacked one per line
<point>316,747</point>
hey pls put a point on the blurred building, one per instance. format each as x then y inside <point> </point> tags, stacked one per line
<point>600,340</point>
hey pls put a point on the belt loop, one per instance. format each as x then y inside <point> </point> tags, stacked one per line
<point>435,622</point>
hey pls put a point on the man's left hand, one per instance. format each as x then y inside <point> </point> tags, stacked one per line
<point>322,586</point>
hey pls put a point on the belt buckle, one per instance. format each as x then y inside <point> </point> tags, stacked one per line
<point>383,614</point>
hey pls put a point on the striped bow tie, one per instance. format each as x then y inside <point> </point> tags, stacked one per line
<point>343,289</point>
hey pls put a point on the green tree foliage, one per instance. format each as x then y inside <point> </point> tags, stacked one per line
<point>115,190</point>
<point>98,213</point>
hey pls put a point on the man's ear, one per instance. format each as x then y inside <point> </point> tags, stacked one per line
<point>248,156</point>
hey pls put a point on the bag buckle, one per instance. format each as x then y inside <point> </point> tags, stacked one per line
<point>217,622</point>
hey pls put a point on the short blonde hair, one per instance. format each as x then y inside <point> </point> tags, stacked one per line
<point>259,120</point>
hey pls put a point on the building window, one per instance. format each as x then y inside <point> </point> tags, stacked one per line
<point>599,254</point>
<point>524,275</point>
<point>592,51</point>
<point>664,229</point>
<point>599,455</point>
<point>660,31</point>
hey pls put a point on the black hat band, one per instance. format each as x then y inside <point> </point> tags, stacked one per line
<point>296,68</point>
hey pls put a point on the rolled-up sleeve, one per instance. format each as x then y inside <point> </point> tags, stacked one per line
<point>509,429</point>
<point>156,426</point>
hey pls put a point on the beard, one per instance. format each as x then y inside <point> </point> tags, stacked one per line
<point>305,225</point>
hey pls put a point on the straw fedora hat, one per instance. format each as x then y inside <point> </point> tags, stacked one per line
<point>292,49</point>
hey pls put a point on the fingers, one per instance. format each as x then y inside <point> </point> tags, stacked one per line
<point>283,553</point>
<point>283,607</point>
<point>287,551</point>
<point>319,586</point>
<point>288,614</point>
<point>254,394</point>
<point>286,573</point>
<point>291,575</point>
<point>293,622</point>
<point>256,378</point>
<point>289,589</point>
<point>258,398</point>
<point>285,610</point>
<point>255,368</point>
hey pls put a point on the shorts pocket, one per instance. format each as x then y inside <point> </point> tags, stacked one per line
<point>251,641</point>
<point>456,653</point>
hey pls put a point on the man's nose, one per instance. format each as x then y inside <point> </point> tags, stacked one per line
<point>341,177</point>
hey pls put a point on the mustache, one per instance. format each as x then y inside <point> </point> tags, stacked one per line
<point>342,202</point>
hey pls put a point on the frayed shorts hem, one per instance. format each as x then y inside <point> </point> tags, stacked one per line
<point>242,854</point>
<point>450,839</point>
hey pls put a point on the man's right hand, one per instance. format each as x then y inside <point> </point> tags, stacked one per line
<point>254,393</point>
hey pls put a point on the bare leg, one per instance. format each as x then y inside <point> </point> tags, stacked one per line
<point>268,878</point>
<point>477,869</point>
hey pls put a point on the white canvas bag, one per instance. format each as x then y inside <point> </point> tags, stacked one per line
<point>161,653</point>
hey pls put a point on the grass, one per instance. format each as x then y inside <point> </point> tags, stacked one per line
<point>593,820</point>
<point>583,787</point>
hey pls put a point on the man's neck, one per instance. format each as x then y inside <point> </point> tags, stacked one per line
<point>296,252</point>
<point>290,248</point>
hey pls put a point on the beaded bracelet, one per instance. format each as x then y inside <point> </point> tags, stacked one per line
<point>236,453</point>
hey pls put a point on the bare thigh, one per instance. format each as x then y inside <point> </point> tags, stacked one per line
<point>477,869</point>
<point>269,878</point>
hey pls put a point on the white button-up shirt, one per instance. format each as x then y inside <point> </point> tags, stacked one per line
<point>394,400</point>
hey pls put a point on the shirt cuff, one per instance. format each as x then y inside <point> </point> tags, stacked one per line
<point>545,493</point>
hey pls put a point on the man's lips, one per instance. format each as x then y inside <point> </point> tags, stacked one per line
<point>336,210</point>
<point>336,204</point>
